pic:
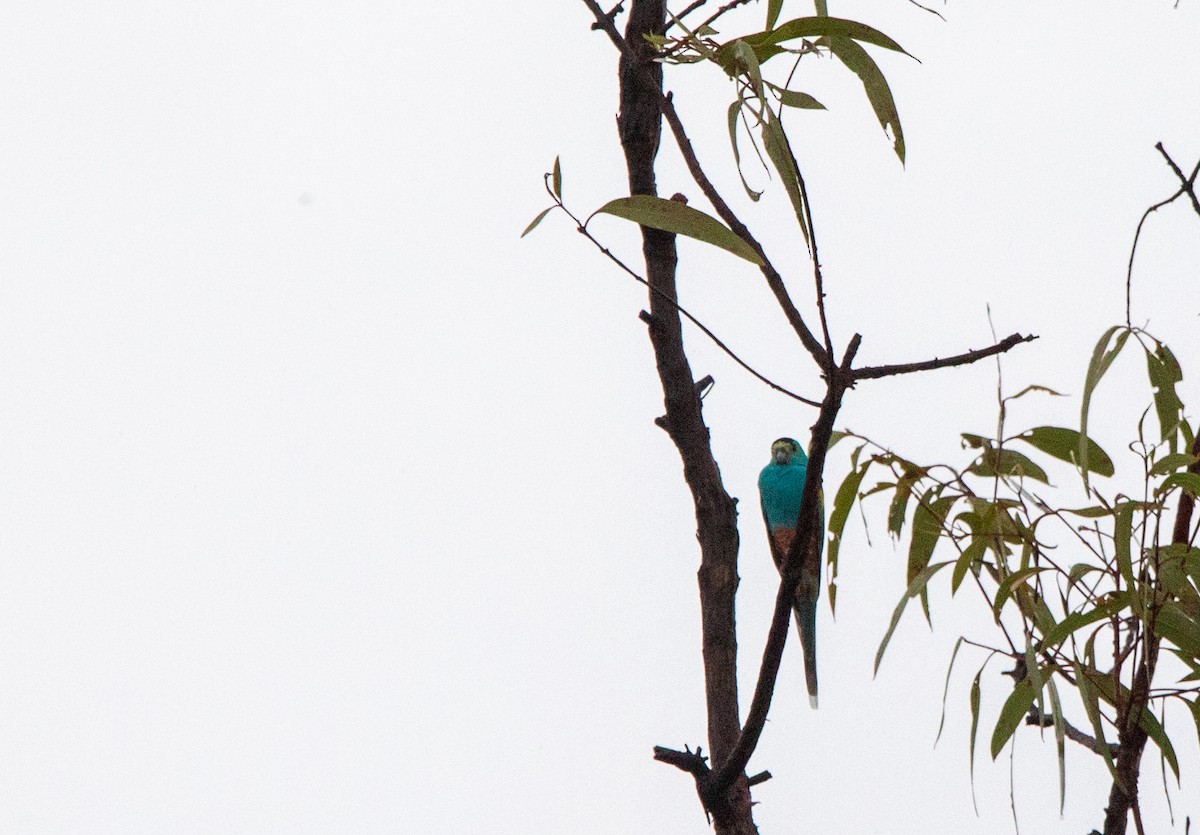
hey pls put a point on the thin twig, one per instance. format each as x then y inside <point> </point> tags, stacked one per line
<point>1189,183</point>
<point>877,371</point>
<point>582,229</point>
<point>606,25</point>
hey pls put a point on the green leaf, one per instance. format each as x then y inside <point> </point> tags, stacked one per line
<point>735,110</point>
<point>1060,731</point>
<point>1122,534</point>
<point>946,688</point>
<point>975,441</point>
<point>822,26</point>
<point>780,153</point>
<point>1096,512</point>
<point>672,216</point>
<point>533,223</point>
<point>899,506</point>
<point>556,179</point>
<point>774,7</point>
<point>843,500</point>
<point>1035,388</point>
<point>1173,461</point>
<point>1181,630</point>
<point>1164,372</point>
<point>1065,444</point>
<point>1188,482</point>
<point>1158,733</point>
<point>1009,462</point>
<point>928,518</point>
<point>1091,705</point>
<point>1077,620</point>
<point>970,556</point>
<point>794,98</point>
<point>914,588</point>
<point>1015,707</point>
<point>1102,358</point>
<point>974,699</point>
<point>1009,584</point>
<point>1194,707</point>
<point>876,86</point>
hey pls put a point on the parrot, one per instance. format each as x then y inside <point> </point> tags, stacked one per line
<point>780,486</point>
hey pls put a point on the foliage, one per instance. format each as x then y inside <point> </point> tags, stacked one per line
<point>1082,597</point>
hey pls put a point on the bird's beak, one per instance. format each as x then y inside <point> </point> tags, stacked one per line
<point>781,457</point>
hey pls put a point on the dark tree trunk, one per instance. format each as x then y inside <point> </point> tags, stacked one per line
<point>640,125</point>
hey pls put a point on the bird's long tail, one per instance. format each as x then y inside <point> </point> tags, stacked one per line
<point>806,625</point>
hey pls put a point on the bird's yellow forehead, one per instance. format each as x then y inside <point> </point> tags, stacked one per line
<point>786,445</point>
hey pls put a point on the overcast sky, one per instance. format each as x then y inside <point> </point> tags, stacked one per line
<point>328,505</point>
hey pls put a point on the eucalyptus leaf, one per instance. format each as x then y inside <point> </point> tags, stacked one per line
<point>673,216</point>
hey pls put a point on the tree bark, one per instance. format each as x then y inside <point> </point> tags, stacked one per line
<point>640,127</point>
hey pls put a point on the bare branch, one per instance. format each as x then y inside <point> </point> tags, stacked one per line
<point>604,22</point>
<point>1188,183</point>
<point>877,371</point>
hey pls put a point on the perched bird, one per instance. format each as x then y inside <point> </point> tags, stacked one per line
<point>780,486</point>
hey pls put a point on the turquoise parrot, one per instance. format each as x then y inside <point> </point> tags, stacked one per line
<point>781,485</point>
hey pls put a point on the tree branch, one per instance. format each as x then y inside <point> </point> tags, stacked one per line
<point>1187,183</point>
<point>774,279</point>
<point>877,371</point>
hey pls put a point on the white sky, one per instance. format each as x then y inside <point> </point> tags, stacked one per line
<point>328,505</point>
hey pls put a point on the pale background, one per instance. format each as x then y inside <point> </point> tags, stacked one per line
<point>328,505</point>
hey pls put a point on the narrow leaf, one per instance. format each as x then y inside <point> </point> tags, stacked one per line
<point>774,7</point>
<point>672,216</point>
<point>780,153</point>
<point>1164,372</point>
<point>1091,705</point>
<point>1015,707</point>
<point>735,111</point>
<point>822,27</point>
<point>556,179</point>
<point>533,223</point>
<point>1077,620</point>
<point>1122,536</point>
<point>946,688</point>
<point>1179,629</point>
<point>1170,463</point>
<point>1059,744</point>
<point>1102,358</point>
<point>914,588</point>
<point>876,86</point>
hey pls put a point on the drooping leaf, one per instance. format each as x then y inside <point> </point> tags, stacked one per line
<point>1102,358</point>
<point>774,7</point>
<point>1174,625</point>
<point>1122,545</point>
<point>970,556</point>
<point>878,92</point>
<point>1065,444</point>
<point>1091,705</point>
<point>1164,372</point>
<point>1015,707</point>
<point>822,26</point>
<point>533,223</point>
<point>928,518</point>
<point>843,500</point>
<point>1077,620</point>
<point>735,112</point>
<point>914,588</point>
<point>946,688</point>
<point>974,700</point>
<point>673,216</point>
<point>1010,583</point>
<point>1060,732</point>
<point>780,153</point>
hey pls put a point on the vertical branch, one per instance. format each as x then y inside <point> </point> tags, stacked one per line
<point>640,126</point>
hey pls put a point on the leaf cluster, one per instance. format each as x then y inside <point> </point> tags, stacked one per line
<point>1082,598</point>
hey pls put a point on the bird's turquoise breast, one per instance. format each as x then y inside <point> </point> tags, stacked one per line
<point>781,488</point>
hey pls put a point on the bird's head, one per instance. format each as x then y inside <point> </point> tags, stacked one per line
<point>786,451</point>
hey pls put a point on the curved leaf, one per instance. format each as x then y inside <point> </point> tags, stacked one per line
<point>1065,444</point>
<point>1102,358</point>
<point>673,216</point>
<point>822,27</point>
<point>878,92</point>
<point>556,179</point>
<point>914,588</point>
<point>1015,707</point>
<point>533,223</point>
